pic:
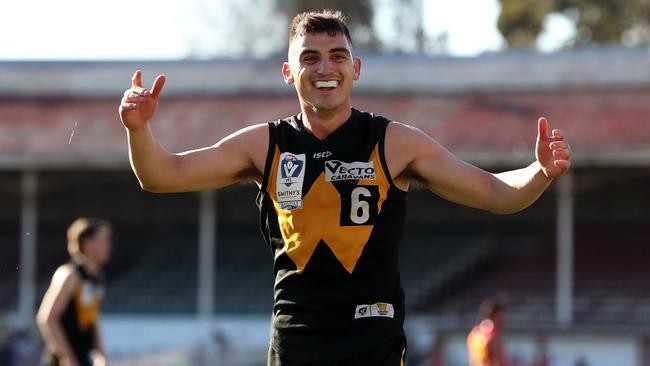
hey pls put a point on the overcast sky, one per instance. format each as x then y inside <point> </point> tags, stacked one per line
<point>174,29</point>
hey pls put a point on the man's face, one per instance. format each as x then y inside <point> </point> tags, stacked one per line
<point>98,247</point>
<point>322,69</point>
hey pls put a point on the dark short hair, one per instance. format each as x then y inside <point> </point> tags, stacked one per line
<point>491,307</point>
<point>327,21</point>
<point>81,230</point>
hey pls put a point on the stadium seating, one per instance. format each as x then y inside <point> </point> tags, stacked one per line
<point>244,278</point>
<point>163,282</point>
<point>611,287</point>
<point>431,265</point>
<point>445,275</point>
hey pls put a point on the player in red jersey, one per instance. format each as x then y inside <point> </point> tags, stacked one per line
<point>485,342</point>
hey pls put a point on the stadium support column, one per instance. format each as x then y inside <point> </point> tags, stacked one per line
<point>206,254</point>
<point>27,269</point>
<point>564,256</point>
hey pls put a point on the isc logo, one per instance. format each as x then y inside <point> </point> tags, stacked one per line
<point>322,155</point>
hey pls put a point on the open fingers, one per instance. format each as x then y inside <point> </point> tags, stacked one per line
<point>137,94</point>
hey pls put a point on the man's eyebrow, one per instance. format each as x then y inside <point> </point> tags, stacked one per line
<point>308,52</point>
<point>332,50</point>
<point>339,49</point>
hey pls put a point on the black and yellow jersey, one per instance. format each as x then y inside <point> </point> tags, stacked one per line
<point>333,219</point>
<point>82,313</point>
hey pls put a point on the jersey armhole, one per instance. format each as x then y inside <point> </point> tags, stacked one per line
<point>269,156</point>
<point>382,155</point>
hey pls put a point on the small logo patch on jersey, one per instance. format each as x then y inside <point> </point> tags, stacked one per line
<point>90,292</point>
<point>289,180</point>
<point>322,154</point>
<point>336,170</point>
<point>379,309</point>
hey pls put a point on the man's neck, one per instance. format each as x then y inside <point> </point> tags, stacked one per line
<point>321,123</point>
<point>90,266</point>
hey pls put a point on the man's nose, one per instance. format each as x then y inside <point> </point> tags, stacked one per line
<point>325,66</point>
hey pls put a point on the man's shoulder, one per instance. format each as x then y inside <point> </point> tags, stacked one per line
<point>370,116</point>
<point>66,269</point>
<point>399,131</point>
<point>66,274</point>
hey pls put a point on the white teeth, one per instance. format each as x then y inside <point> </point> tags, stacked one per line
<point>326,84</point>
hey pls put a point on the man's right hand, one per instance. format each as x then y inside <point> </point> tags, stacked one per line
<point>139,104</point>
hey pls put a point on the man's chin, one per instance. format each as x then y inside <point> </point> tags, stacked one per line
<point>327,107</point>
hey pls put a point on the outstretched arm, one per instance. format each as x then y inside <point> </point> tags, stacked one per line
<point>508,192</point>
<point>237,157</point>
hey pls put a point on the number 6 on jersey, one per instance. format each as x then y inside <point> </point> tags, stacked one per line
<point>359,205</point>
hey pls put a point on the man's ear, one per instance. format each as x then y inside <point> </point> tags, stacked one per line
<point>357,68</point>
<point>286,73</point>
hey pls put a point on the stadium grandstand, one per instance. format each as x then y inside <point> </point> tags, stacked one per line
<point>191,276</point>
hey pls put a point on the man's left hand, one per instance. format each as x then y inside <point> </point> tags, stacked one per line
<point>552,152</point>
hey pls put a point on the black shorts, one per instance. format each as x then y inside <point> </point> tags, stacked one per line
<point>393,356</point>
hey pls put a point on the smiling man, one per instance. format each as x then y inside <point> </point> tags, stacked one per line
<point>333,184</point>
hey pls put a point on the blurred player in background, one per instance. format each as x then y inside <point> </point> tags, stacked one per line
<point>485,343</point>
<point>69,314</point>
<point>333,184</point>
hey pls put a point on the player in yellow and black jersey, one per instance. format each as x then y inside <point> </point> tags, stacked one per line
<point>334,218</point>
<point>333,183</point>
<point>69,314</point>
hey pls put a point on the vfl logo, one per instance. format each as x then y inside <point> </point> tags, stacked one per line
<point>362,311</point>
<point>290,176</point>
<point>291,167</point>
<point>336,170</point>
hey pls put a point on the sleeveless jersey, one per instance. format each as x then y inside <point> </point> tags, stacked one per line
<point>81,314</point>
<point>333,219</point>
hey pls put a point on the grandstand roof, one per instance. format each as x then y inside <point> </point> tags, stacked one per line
<point>576,69</point>
<point>483,109</point>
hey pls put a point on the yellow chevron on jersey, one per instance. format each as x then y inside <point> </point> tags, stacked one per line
<point>87,303</point>
<point>319,218</point>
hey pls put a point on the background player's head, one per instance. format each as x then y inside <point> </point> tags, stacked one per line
<point>494,310</point>
<point>320,50</point>
<point>90,239</point>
